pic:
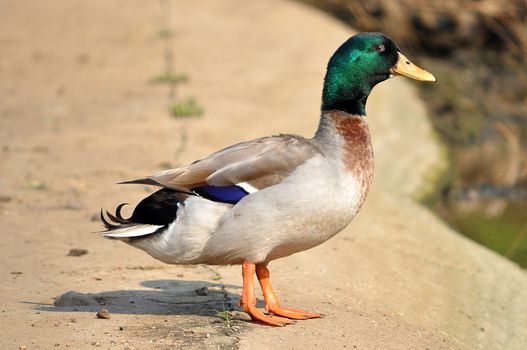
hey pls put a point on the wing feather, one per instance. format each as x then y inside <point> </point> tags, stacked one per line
<point>259,163</point>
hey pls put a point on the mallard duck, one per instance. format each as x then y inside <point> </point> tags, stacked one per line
<point>266,199</point>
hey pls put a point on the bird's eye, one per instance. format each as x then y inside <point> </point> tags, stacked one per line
<point>378,48</point>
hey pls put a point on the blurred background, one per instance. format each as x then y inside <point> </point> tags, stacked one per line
<point>476,49</point>
<point>97,92</point>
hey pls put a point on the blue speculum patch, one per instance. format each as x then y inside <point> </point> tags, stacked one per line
<point>224,194</point>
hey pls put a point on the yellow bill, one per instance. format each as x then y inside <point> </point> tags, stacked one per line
<point>410,70</point>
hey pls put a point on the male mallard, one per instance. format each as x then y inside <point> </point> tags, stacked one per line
<point>265,199</point>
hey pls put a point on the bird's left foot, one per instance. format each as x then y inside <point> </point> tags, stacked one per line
<point>257,315</point>
<point>294,314</point>
<point>271,300</point>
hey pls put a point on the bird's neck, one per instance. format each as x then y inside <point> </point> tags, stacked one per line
<point>338,125</point>
<point>345,90</point>
<point>347,137</point>
<point>353,106</point>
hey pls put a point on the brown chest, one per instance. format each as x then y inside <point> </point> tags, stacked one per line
<point>357,152</point>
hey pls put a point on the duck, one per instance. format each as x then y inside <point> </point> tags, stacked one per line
<point>265,199</point>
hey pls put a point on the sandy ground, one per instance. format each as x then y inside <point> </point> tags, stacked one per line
<point>77,115</point>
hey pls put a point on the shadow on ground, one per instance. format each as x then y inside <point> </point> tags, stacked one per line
<point>165,297</point>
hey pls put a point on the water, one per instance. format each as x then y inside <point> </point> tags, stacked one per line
<point>496,224</point>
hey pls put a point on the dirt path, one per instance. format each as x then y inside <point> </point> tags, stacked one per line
<point>77,115</point>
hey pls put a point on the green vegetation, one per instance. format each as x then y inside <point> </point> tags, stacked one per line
<point>226,316</point>
<point>170,79</point>
<point>165,33</point>
<point>186,108</point>
<point>37,185</point>
<point>177,107</point>
<point>217,277</point>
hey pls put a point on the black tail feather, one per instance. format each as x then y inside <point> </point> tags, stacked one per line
<point>114,218</point>
<point>106,224</point>
<point>118,213</point>
<point>160,208</point>
<point>114,221</point>
<point>145,181</point>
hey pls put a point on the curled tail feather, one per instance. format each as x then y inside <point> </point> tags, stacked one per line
<point>153,214</point>
<point>116,220</point>
<point>117,227</point>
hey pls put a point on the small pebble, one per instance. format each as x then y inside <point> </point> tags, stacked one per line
<point>77,252</point>
<point>5,199</point>
<point>104,314</point>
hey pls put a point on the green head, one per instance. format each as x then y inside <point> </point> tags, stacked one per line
<point>359,64</point>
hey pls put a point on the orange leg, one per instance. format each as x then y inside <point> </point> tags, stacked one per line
<point>248,299</point>
<point>271,301</point>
